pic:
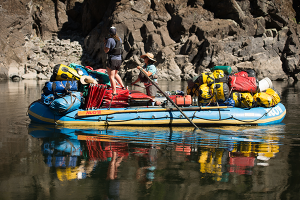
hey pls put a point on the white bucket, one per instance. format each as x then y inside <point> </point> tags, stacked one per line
<point>264,84</point>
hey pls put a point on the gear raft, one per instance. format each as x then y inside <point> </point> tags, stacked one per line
<point>78,95</point>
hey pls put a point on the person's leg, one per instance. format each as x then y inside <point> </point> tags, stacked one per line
<point>118,78</point>
<point>111,75</point>
<point>151,91</point>
<point>147,90</point>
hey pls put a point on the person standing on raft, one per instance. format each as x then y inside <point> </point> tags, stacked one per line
<point>149,69</point>
<point>113,48</point>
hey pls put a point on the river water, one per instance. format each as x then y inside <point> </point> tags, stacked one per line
<point>242,162</point>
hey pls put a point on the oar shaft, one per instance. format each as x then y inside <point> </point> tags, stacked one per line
<point>110,112</point>
<point>139,86</point>
<point>168,98</point>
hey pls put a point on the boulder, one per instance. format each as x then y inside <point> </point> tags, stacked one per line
<point>30,75</point>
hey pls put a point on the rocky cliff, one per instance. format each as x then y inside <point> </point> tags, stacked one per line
<point>186,36</point>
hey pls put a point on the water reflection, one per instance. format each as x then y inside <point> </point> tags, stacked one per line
<point>150,154</point>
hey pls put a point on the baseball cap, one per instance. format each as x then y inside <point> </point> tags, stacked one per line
<point>112,30</point>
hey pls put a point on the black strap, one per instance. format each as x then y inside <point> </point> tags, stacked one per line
<point>68,86</point>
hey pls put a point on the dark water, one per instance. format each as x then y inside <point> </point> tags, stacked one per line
<point>46,162</point>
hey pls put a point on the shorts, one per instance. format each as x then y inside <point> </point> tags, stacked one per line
<point>151,90</point>
<point>114,64</point>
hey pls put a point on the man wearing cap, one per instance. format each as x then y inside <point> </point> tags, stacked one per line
<point>113,48</point>
<point>149,69</point>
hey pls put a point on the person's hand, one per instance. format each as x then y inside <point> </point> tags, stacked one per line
<point>139,67</point>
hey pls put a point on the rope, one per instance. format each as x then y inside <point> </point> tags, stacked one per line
<point>213,120</point>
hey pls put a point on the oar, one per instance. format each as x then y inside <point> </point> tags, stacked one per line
<point>168,98</point>
<point>83,113</point>
<point>139,86</point>
<point>142,87</point>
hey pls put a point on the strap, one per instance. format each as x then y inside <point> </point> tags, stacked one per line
<point>72,103</point>
<point>53,87</point>
<point>68,86</point>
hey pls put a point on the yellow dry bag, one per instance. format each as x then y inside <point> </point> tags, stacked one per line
<point>204,94</point>
<point>267,99</point>
<point>206,78</point>
<point>243,100</point>
<point>221,91</point>
<point>64,73</point>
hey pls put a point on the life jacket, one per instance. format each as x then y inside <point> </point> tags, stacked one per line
<point>117,50</point>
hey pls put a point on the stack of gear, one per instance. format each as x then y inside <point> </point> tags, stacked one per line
<point>69,85</point>
<point>117,101</point>
<point>61,96</point>
<point>243,85</point>
<point>241,89</point>
<point>210,88</point>
<point>138,98</point>
<point>99,75</point>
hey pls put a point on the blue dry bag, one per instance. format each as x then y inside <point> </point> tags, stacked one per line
<point>66,104</point>
<point>60,87</point>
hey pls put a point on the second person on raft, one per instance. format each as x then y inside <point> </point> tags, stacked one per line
<point>149,69</point>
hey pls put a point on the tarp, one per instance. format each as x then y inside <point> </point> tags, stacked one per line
<point>101,76</point>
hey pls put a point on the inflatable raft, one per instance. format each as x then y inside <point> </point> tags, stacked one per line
<point>77,95</point>
<point>159,116</point>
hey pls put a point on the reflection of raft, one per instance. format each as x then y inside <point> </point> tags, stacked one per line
<point>158,116</point>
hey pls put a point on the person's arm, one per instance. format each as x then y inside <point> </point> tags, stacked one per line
<point>137,80</point>
<point>148,73</point>
<point>106,49</point>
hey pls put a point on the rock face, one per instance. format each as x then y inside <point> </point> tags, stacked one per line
<point>27,27</point>
<point>186,36</point>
